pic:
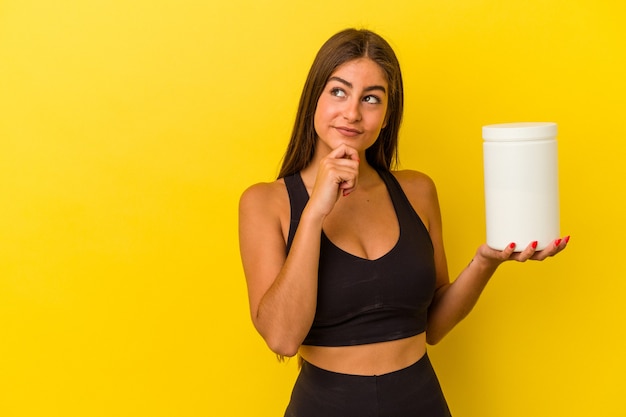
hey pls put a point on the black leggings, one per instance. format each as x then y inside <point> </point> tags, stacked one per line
<point>410,392</point>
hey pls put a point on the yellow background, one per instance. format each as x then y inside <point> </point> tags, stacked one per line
<point>128,130</point>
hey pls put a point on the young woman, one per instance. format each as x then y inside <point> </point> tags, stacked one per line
<point>344,258</point>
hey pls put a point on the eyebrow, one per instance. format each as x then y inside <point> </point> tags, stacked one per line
<point>349,85</point>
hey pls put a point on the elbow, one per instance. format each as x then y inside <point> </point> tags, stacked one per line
<point>432,340</point>
<point>434,337</point>
<point>283,340</point>
<point>283,348</point>
<point>281,343</point>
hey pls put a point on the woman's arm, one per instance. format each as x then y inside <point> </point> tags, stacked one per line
<point>282,289</point>
<point>454,301</point>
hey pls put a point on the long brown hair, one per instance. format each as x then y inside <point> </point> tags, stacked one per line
<point>345,46</point>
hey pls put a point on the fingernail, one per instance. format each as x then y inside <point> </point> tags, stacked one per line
<point>512,246</point>
<point>567,239</point>
<point>534,244</point>
<point>557,242</point>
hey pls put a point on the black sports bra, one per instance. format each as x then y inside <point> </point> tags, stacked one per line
<point>361,301</point>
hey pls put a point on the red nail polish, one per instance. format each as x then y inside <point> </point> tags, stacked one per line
<point>534,244</point>
<point>567,239</point>
<point>512,246</point>
<point>557,242</point>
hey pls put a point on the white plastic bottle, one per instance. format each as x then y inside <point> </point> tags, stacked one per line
<point>521,184</point>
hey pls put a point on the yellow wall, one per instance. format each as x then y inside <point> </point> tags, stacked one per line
<point>129,129</point>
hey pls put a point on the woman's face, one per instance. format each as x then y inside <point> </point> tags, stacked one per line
<point>352,107</point>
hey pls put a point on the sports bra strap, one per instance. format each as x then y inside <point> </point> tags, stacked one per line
<point>298,197</point>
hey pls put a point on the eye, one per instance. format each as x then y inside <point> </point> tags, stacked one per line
<point>372,99</point>
<point>337,92</point>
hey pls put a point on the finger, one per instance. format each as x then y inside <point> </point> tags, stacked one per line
<point>344,173</point>
<point>509,250</point>
<point>528,252</point>
<point>340,169</point>
<point>344,151</point>
<point>560,244</point>
<point>552,249</point>
<point>347,186</point>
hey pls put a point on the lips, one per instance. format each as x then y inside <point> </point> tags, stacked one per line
<point>348,131</point>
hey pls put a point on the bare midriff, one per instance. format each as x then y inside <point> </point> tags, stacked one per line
<point>371,359</point>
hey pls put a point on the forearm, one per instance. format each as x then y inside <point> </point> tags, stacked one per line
<point>453,302</point>
<point>287,309</point>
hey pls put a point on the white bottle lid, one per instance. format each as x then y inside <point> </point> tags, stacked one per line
<point>509,132</point>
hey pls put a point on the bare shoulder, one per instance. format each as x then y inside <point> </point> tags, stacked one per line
<point>264,194</point>
<point>264,209</point>
<point>416,184</point>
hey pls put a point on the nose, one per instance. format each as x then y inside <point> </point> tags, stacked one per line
<point>352,110</point>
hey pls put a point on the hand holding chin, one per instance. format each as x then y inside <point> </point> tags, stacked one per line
<point>337,175</point>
